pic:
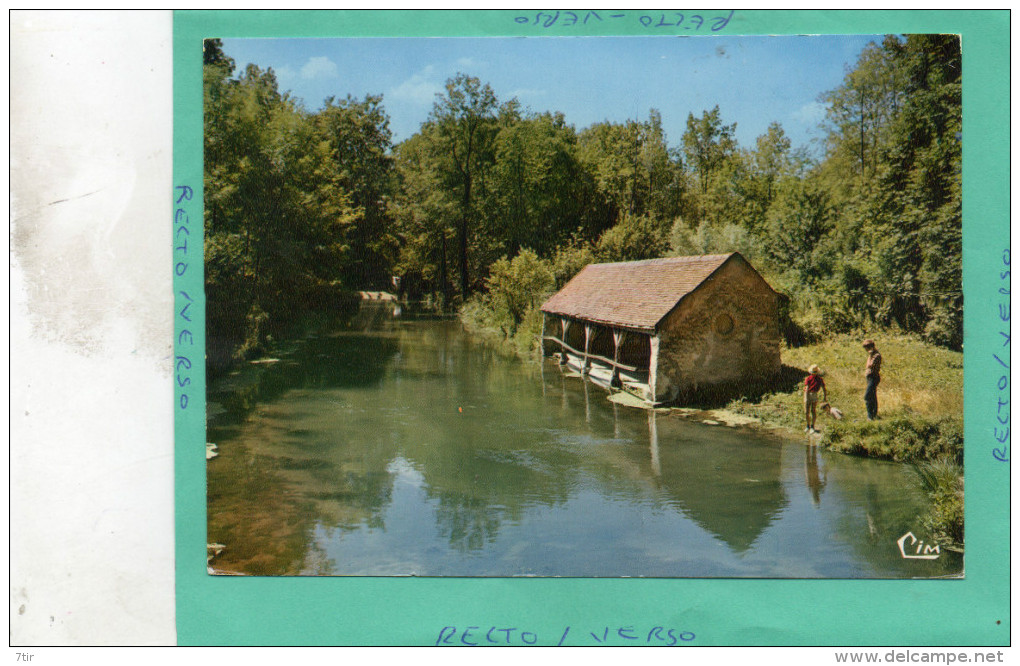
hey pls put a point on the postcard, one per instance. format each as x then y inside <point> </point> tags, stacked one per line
<point>591,328</point>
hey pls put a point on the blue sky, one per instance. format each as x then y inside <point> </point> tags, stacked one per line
<point>754,80</point>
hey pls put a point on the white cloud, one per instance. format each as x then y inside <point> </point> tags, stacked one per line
<point>421,88</point>
<point>812,113</point>
<point>319,67</point>
<point>469,62</point>
<point>284,73</point>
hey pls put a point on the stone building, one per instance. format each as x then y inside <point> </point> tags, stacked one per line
<point>664,329</point>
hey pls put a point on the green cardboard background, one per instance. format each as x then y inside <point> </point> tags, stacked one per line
<point>411,611</point>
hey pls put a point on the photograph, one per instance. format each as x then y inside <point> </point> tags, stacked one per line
<point>660,306</point>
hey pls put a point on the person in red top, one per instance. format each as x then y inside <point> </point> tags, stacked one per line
<point>813,383</point>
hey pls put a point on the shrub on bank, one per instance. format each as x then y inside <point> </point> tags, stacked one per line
<point>510,307</point>
<point>943,481</point>
<point>902,437</point>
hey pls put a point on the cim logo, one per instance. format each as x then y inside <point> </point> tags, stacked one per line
<point>913,549</point>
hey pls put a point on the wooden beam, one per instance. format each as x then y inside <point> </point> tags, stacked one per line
<point>608,361</point>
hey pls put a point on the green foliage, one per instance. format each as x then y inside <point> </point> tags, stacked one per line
<point>463,124</point>
<point>424,212</point>
<point>517,287</point>
<point>797,225</point>
<point>942,480</point>
<point>569,260</point>
<point>866,239</point>
<point>633,238</point>
<point>292,204</point>
<point>710,238</point>
<point>357,136</point>
<point>299,204</point>
<point>902,437</point>
<point>708,144</point>
<point>633,168</point>
<point>893,168</point>
<point>537,189</point>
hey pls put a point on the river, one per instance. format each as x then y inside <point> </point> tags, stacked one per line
<point>401,445</point>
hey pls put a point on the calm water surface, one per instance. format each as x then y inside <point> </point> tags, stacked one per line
<point>403,446</point>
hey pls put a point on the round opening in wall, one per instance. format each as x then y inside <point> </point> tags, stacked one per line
<point>723,324</point>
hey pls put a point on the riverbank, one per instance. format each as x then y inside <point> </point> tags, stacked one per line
<point>920,414</point>
<point>920,400</point>
<point>229,348</point>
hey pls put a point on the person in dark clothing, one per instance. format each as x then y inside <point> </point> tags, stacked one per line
<point>872,374</point>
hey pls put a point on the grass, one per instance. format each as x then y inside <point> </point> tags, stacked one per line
<point>919,383</point>
<point>916,376</point>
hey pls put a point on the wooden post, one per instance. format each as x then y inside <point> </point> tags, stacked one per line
<point>564,327</point>
<point>586,365</point>
<point>653,369</point>
<point>618,338</point>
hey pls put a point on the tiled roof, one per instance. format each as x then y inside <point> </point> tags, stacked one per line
<point>632,294</point>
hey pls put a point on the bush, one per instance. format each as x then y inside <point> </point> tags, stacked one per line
<point>904,437</point>
<point>255,332</point>
<point>568,262</point>
<point>515,287</point>
<point>530,328</point>
<point>944,329</point>
<point>510,308</point>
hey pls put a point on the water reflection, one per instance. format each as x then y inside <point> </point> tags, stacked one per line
<point>396,446</point>
<point>815,479</point>
<point>653,439</point>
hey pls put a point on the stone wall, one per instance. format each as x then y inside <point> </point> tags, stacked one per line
<point>725,332</point>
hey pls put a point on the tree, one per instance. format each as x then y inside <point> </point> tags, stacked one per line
<point>920,185</point>
<point>798,222</point>
<point>359,139</point>
<point>538,190</point>
<point>517,287</point>
<point>425,215</point>
<point>283,218</point>
<point>708,144</point>
<point>860,111</point>
<point>771,162</point>
<point>464,122</point>
<point>633,168</point>
<point>895,125</point>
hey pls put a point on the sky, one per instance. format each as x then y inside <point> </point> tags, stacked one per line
<point>754,80</point>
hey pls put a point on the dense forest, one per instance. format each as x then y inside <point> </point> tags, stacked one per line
<point>489,207</point>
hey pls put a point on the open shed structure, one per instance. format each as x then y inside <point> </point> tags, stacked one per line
<point>665,328</point>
